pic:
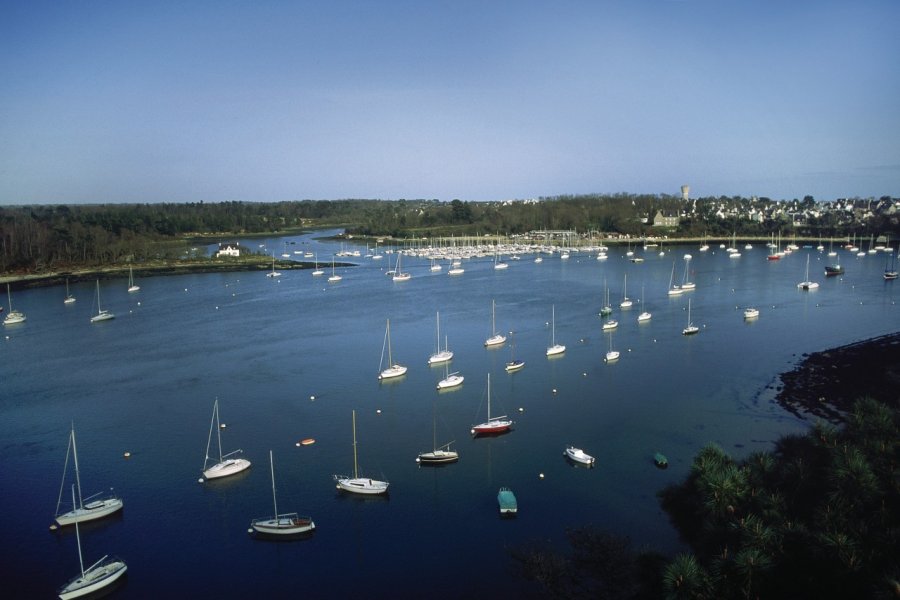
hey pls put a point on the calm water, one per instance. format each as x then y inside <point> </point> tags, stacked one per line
<point>290,358</point>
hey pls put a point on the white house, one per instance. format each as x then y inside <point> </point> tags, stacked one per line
<point>228,250</point>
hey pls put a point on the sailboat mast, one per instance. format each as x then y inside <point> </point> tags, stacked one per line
<point>78,537</point>
<point>553,326</point>
<point>355,469</point>
<point>388,334</point>
<point>218,430</point>
<point>77,473</point>
<point>274,499</point>
<point>489,397</point>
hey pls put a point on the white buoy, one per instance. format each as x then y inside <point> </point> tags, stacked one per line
<point>250,530</point>
<point>541,475</point>
<point>223,426</point>
<point>312,397</point>
<point>200,480</point>
<point>554,390</point>
<point>127,454</point>
<point>521,409</point>
<point>378,411</point>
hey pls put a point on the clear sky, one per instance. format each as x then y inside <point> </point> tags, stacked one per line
<point>126,101</point>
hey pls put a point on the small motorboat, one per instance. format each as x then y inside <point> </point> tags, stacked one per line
<point>660,460</point>
<point>579,455</point>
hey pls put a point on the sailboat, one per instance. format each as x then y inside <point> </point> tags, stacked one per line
<point>644,316</point>
<point>70,299</point>
<point>96,506</point>
<point>611,355</point>
<point>439,455</point>
<point>357,484</point>
<point>434,265</point>
<point>273,273</point>
<point>102,315</point>
<point>317,272</point>
<point>450,380</point>
<point>131,285</point>
<point>439,355</point>
<point>496,338</point>
<point>283,524</point>
<point>493,424</point>
<point>96,577</point>
<point>691,328</point>
<point>606,309</point>
<point>890,273</point>
<point>554,348</point>
<point>514,364</point>
<point>398,274</point>
<point>498,263</point>
<point>392,370</point>
<point>806,284</point>
<point>674,290</point>
<point>626,301</point>
<point>334,277</point>
<point>226,465</point>
<point>686,283</point>
<point>13,316</point>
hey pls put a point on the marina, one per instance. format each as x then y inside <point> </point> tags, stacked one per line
<point>289,359</point>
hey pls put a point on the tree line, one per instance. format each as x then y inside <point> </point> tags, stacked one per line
<point>45,237</point>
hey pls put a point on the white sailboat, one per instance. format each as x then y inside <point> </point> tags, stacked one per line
<point>393,369</point>
<point>611,355</point>
<point>686,283</point>
<point>493,424</point>
<point>281,524</point>
<point>751,313</point>
<point>626,301</point>
<point>398,274</point>
<point>131,285</point>
<point>357,484</point>
<point>806,284</point>
<point>317,272</point>
<point>514,364</point>
<point>70,299</point>
<point>691,328</point>
<point>334,277</point>
<point>644,316</point>
<point>606,309</point>
<point>439,355</point>
<point>273,273</point>
<point>226,465</point>
<point>496,338</point>
<point>96,577</point>
<point>674,290</point>
<point>554,348</point>
<point>102,315</point>
<point>13,316</point>
<point>96,507</point>
<point>498,263</point>
<point>450,380</point>
<point>439,455</point>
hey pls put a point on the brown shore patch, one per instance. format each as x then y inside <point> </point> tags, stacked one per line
<point>825,384</point>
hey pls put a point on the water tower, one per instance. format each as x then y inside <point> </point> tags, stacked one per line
<point>685,192</point>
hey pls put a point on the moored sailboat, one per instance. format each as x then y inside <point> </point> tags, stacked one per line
<point>285,524</point>
<point>102,315</point>
<point>96,507</point>
<point>357,484</point>
<point>493,424</point>
<point>393,369</point>
<point>226,465</point>
<point>554,348</point>
<point>496,337</point>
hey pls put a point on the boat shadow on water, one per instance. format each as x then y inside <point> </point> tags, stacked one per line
<point>362,498</point>
<point>293,537</point>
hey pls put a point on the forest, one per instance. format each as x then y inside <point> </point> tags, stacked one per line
<point>37,238</point>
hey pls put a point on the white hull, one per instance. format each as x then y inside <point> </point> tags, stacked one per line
<point>289,524</point>
<point>495,340</point>
<point>555,350</point>
<point>626,304</point>
<point>579,455</point>
<point>643,317</point>
<point>227,467</point>
<point>90,511</point>
<point>438,457</point>
<point>450,382</point>
<point>807,285</point>
<point>134,288</point>
<point>512,367</point>
<point>14,317</point>
<point>609,325</point>
<point>440,357</point>
<point>751,313</point>
<point>392,371</point>
<point>402,277</point>
<point>104,315</point>
<point>612,356</point>
<point>95,578</point>
<point>361,485</point>
<point>318,273</point>
<point>690,330</point>
<point>456,271</point>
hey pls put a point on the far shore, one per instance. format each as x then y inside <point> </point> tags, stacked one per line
<point>162,268</point>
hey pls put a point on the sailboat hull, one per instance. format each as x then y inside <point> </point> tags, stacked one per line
<point>231,466</point>
<point>283,525</point>
<point>392,371</point>
<point>450,381</point>
<point>492,427</point>
<point>361,485</point>
<point>95,578</point>
<point>90,511</point>
<point>438,457</point>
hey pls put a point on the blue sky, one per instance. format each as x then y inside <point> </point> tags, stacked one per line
<point>264,101</point>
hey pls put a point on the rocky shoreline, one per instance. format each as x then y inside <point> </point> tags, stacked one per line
<point>826,384</point>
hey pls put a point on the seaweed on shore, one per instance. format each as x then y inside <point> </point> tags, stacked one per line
<point>826,384</point>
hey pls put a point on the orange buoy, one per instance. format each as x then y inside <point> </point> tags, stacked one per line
<point>308,441</point>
